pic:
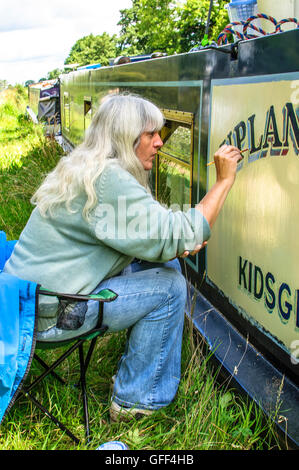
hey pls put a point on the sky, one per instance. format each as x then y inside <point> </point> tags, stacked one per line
<point>37,36</point>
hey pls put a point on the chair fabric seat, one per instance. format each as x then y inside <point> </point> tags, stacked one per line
<point>57,335</point>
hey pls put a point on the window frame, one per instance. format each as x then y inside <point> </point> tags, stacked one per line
<point>179,118</point>
<point>87,107</point>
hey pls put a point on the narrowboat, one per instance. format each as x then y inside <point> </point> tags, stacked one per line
<point>245,283</point>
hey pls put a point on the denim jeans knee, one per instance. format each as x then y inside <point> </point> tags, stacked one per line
<point>151,303</point>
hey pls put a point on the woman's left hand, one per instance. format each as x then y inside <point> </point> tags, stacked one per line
<point>193,252</point>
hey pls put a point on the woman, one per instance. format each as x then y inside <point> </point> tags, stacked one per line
<point>94,215</point>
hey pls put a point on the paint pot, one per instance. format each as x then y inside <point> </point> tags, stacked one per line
<point>113,445</point>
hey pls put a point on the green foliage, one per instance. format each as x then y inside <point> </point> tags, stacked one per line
<point>12,101</point>
<point>54,74</point>
<point>25,157</point>
<point>193,18</point>
<point>152,25</point>
<point>148,26</point>
<point>93,49</point>
<point>29,82</point>
<point>167,26</point>
<point>3,84</point>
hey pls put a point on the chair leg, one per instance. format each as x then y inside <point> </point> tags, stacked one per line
<point>54,365</point>
<point>88,356</point>
<point>89,352</point>
<point>50,370</point>
<point>84,394</point>
<point>46,367</point>
<point>49,415</point>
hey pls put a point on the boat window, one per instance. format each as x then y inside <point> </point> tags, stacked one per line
<point>178,143</point>
<point>173,172</point>
<point>87,111</point>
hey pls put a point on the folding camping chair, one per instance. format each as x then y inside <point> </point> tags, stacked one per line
<point>75,343</point>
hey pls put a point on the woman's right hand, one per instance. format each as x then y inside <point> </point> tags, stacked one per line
<point>226,159</point>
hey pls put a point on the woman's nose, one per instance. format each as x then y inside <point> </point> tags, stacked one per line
<point>158,142</point>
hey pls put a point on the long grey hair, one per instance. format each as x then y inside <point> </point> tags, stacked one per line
<point>114,133</point>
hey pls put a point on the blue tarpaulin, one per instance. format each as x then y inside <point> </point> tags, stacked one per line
<point>17,329</point>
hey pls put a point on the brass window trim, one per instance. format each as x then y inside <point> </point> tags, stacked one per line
<point>87,103</point>
<point>87,110</point>
<point>174,159</point>
<point>178,116</point>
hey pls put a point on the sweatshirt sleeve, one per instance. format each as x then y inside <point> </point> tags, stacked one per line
<point>130,221</point>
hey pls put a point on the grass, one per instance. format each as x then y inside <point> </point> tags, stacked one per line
<point>25,157</point>
<point>206,414</point>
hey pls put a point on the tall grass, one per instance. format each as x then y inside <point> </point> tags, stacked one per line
<point>26,156</point>
<point>205,415</point>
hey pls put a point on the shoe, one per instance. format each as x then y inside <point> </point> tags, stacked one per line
<point>119,413</point>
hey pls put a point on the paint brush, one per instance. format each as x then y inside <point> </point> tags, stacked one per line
<point>241,152</point>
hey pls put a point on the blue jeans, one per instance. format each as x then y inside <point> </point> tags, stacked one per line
<point>151,303</point>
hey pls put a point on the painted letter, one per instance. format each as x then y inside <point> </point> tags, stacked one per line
<point>285,314</point>
<point>297,313</point>
<point>240,134</point>
<point>251,139</point>
<point>289,116</point>
<point>242,272</point>
<point>271,131</point>
<point>270,303</point>
<point>258,271</point>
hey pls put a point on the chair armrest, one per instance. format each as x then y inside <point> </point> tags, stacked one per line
<point>105,295</point>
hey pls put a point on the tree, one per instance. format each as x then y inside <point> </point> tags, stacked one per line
<point>93,49</point>
<point>54,74</point>
<point>192,22</point>
<point>29,82</point>
<point>169,26</point>
<point>3,84</point>
<point>148,26</point>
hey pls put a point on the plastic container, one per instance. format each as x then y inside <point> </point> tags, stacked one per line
<point>113,445</point>
<point>240,10</point>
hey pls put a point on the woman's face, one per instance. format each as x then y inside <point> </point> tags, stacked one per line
<point>150,143</point>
